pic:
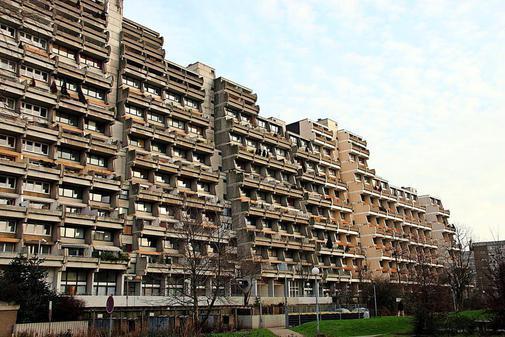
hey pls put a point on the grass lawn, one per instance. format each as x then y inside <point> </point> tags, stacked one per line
<point>471,314</point>
<point>250,333</point>
<point>388,326</point>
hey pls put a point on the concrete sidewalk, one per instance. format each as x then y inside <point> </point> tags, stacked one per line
<point>282,332</point>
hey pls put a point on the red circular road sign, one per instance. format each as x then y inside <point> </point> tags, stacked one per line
<point>109,305</point>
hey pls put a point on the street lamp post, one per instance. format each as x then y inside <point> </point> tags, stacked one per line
<point>315,272</point>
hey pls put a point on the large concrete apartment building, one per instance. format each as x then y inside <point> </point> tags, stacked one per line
<point>105,145</point>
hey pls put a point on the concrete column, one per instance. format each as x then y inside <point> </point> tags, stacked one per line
<point>57,279</point>
<point>271,288</point>
<point>120,289</point>
<point>254,288</point>
<point>227,288</point>
<point>89,282</point>
<point>208,288</point>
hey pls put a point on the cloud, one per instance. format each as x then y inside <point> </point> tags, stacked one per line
<point>423,82</point>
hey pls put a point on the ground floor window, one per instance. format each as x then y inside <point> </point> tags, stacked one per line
<point>73,282</point>
<point>104,283</point>
<point>151,285</point>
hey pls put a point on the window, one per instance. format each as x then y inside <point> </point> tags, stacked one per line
<point>93,92</point>
<point>64,52</point>
<point>70,192</point>
<point>153,90</point>
<point>148,242</point>
<point>131,82</point>
<point>7,141</point>
<point>99,196</point>
<point>174,97</point>
<point>191,103</point>
<point>35,147</point>
<point>94,126</point>
<point>136,142</point>
<point>75,251</point>
<point>184,183</point>
<point>143,207</point>
<point>195,130</point>
<point>199,157</point>
<point>103,236</point>
<point>7,247</point>
<point>158,147</point>
<point>124,194</point>
<point>33,40</point>
<point>7,30</point>
<point>203,187</point>
<point>7,103</point>
<point>261,123</point>
<point>69,85</point>
<point>151,285</point>
<point>67,119</point>
<point>7,182</point>
<point>105,283</point>
<point>7,201</point>
<point>88,60</point>
<point>72,210</point>
<point>166,210</point>
<point>33,73</point>
<point>38,229</point>
<point>176,123</point>
<point>73,282</point>
<point>68,154</point>
<point>35,249</point>
<point>36,186</point>
<point>8,226</point>
<point>72,232</point>
<point>162,178</point>
<point>235,138</point>
<point>274,129</point>
<point>155,117</point>
<point>33,110</point>
<point>94,159</point>
<point>8,65</point>
<point>179,153</point>
<point>137,173</point>
<point>133,110</point>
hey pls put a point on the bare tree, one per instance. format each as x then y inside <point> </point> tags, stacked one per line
<point>208,266</point>
<point>459,274</point>
<point>496,292</point>
<point>428,295</point>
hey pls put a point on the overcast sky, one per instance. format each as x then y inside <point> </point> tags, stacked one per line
<point>423,82</point>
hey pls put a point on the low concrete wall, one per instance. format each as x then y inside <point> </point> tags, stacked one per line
<point>42,329</point>
<point>268,321</point>
<point>8,315</point>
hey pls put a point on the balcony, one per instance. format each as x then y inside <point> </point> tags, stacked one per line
<point>243,153</point>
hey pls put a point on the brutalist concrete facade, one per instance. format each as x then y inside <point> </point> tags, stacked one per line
<point>105,146</point>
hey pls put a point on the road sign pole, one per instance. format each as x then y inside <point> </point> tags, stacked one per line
<point>109,307</point>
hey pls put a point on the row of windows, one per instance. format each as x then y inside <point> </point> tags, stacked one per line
<point>41,42</point>
<point>176,123</point>
<point>132,82</point>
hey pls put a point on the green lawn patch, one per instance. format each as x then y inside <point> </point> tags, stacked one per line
<point>387,326</point>
<point>250,333</point>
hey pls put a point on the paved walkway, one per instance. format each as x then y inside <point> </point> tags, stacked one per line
<point>282,332</point>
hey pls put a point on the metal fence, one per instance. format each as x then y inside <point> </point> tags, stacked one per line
<point>42,329</point>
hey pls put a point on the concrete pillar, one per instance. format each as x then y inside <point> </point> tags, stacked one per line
<point>208,288</point>
<point>227,288</point>
<point>271,288</point>
<point>89,282</point>
<point>120,290</point>
<point>254,288</point>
